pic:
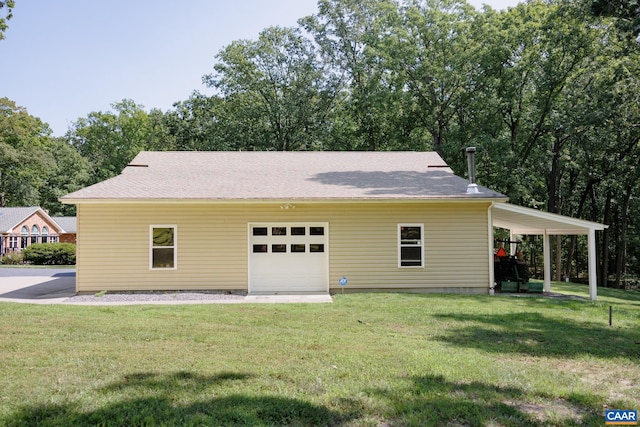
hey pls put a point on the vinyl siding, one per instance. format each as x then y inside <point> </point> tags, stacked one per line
<point>113,244</point>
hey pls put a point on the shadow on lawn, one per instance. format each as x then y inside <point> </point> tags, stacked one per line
<point>538,335</point>
<point>434,401</point>
<point>172,400</point>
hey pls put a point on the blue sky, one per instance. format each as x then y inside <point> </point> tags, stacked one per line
<point>66,58</point>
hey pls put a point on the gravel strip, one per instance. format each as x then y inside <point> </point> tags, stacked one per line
<point>157,296</point>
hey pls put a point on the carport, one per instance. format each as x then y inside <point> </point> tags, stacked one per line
<point>525,221</point>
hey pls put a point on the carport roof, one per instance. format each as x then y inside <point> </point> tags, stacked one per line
<point>521,220</point>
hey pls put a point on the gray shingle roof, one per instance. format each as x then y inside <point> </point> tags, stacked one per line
<point>270,175</point>
<point>10,217</point>
<point>68,224</point>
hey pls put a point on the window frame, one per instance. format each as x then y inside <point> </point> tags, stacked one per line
<point>35,234</point>
<point>174,247</point>
<point>25,238</point>
<point>420,245</point>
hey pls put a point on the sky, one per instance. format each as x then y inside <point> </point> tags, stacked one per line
<point>63,59</point>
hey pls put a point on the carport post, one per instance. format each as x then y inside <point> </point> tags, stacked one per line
<point>546,250</point>
<point>593,274</point>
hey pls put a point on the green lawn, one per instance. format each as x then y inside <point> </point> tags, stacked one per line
<point>365,360</point>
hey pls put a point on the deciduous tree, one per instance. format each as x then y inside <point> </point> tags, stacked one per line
<point>110,140</point>
<point>6,9</point>
<point>277,86</point>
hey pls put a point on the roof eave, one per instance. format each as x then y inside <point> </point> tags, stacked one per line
<point>474,198</point>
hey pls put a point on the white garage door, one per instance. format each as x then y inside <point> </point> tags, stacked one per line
<point>288,257</point>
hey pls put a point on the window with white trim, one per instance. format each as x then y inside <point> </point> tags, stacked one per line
<point>24,237</point>
<point>410,245</point>
<point>163,247</point>
<point>34,234</point>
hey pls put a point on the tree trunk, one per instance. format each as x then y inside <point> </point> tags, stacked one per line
<point>621,259</point>
<point>573,247</point>
<point>553,202</point>
<point>604,270</point>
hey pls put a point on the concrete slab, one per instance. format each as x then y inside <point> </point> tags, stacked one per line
<point>295,298</point>
<point>53,286</point>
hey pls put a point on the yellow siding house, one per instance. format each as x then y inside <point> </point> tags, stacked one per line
<point>285,222</point>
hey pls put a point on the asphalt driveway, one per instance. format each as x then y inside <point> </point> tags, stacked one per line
<point>54,286</point>
<point>37,285</point>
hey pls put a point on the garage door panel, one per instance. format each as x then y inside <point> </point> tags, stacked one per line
<point>288,257</point>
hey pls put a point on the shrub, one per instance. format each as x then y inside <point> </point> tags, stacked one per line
<point>50,254</point>
<point>11,259</point>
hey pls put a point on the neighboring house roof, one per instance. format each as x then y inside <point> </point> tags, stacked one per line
<point>68,224</point>
<point>270,175</point>
<point>10,217</point>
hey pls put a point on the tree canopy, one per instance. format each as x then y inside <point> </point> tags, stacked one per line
<point>6,13</point>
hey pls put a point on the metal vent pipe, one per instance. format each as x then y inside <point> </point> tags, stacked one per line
<point>472,188</point>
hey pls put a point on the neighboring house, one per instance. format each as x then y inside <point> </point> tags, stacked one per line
<point>278,222</point>
<point>24,226</point>
<point>68,228</point>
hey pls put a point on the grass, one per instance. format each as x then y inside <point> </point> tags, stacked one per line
<point>365,360</point>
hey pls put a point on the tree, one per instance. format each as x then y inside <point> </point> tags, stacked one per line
<point>110,140</point>
<point>373,112</point>
<point>435,51</point>
<point>67,173</point>
<point>276,85</point>
<point>612,151</point>
<point>24,158</point>
<point>192,124</point>
<point>8,5</point>
<point>627,13</point>
<point>35,169</point>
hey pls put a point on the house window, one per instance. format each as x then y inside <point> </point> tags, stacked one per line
<point>24,237</point>
<point>35,232</point>
<point>163,247</point>
<point>45,234</point>
<point>410,245</point>
<point>13,242</point>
